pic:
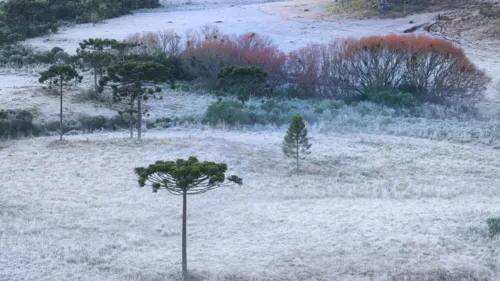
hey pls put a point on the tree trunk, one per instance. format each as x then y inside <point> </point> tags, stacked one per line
<point>131,121</point>
<point>95,83</point>
<point>61,108</point>
<point>184,236</point>
<point>297,156</point>
<point>139,117</point>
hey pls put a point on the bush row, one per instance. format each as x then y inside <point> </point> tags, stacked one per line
<point>399,70</point>
<point>279,111</point>
<point>19,123</point>
<point>18,55</point>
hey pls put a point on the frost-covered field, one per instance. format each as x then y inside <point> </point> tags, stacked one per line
<point>364,208</point>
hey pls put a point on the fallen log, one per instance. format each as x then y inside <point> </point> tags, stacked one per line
<point>413,28</point>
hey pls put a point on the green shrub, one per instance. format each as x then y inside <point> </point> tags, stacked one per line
<point>92,123</point>
<point>230,112</point>
<point>116,122</point>
<point>391,98</point>
<point>15,124</point>
<point>21,19</point>
<point>22,55</point>
<point>271,111</point>
<point>16,60</point>
<point>243,81</point>
<point>494,226</point>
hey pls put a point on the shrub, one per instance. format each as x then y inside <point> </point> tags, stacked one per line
<point>243,81</point>
<point>62,56</point>
<point>16,60</point>
<point>116,122</point>
<point>92,123</point>
<point>207,53</point>
<point>494,226</point>
<point>205,59</point>
<point>166,42</point>
<point>229,112</point>
<point>15,124</point>
<point>432,70</point>
<point>23,55</point>
<point>308,74</point>
<point>256,50</point>
<point>436,69</point>
<point>391,98</point>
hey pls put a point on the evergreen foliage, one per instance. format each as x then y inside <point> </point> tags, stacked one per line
<point>21,19</point>
<point>60,76</point>
<point>494,226</point>
<point>296,141</point>
<point>135,82</point>
<point>185,177</point>
<point>97,54</point>
<point>243,81</point>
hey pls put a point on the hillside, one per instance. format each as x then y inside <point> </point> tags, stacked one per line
<point>383,196</point>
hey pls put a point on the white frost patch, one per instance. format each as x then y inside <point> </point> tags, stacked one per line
<point>363,207</point>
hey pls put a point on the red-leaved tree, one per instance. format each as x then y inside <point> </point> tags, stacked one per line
<point>432,69</point>
<point>209,51</point>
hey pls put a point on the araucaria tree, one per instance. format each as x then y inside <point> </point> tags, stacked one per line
<point>135,82</point>
<point>185,177</point>
<point>296,141</point>
<point>98,54</point>
<point>60,76</point>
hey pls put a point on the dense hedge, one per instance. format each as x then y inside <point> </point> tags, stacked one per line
<point>20,19</point>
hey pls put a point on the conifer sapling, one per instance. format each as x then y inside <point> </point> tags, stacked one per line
<point>296,141</point>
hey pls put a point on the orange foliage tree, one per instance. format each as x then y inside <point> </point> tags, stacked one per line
<point>431,69</point>
<point>208,53</point>
<point>162,42</point>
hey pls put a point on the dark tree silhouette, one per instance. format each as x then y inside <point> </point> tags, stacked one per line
<point>296,141</point>
<point>185,177</point>
<point>60,76</point>
<point>135,81</point>
<point>243,81</point>
<point>98,54</point>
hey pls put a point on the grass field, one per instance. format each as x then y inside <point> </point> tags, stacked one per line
<point>363,207</point>
<point>381,197</point>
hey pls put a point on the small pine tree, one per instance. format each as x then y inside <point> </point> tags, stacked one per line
<point>296,141</point>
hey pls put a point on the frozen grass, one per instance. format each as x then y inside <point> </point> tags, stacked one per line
<point>364,208</point>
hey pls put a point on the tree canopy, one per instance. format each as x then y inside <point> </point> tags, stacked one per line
<point>190,176</point>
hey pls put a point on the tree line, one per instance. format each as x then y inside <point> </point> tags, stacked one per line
<point>21,19</point>
<point>132,78</point>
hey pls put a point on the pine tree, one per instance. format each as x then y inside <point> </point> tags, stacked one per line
<point>296,141</point>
